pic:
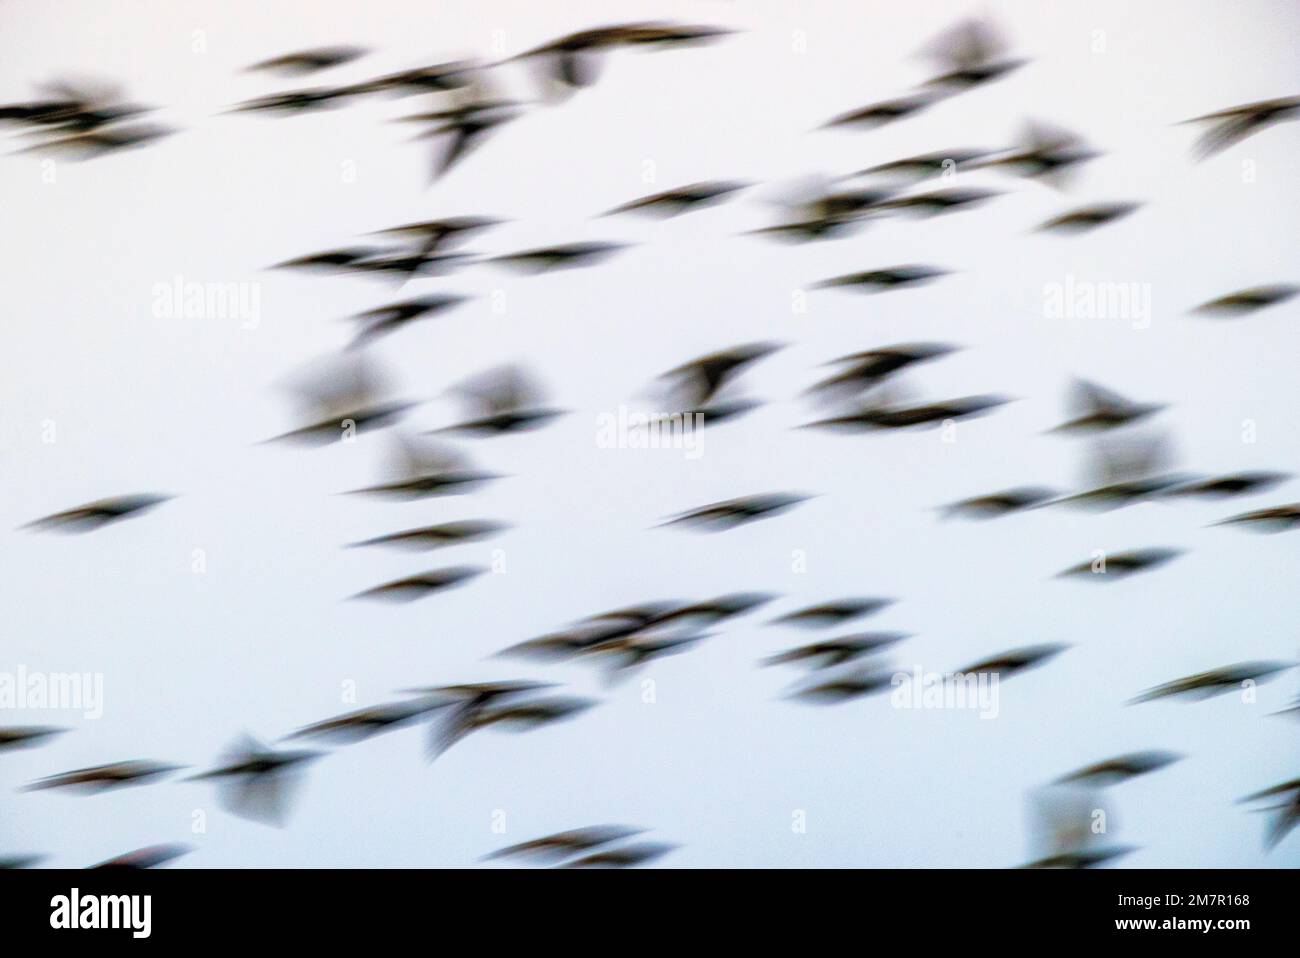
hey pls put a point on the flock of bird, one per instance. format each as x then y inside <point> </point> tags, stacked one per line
<point>858,392</point>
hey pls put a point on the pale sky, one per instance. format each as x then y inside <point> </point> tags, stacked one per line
<point>263,641</point>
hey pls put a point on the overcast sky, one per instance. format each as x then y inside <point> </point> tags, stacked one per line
<point>263,641</point>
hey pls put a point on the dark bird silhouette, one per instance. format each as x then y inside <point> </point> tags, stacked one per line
<point>76,106</point>
<point>1044,152</point>
<point>828,653</point>
<point>404,267</point>
<point>886,111</point>
<point>1113,771</point>
<point>359,725</point>
<point>926,164</point>
<point>999,503</point>
<point>1206,685</point>
<point>95,515</point>
<point>1095,409</point>
<point>873,416</point>
<point>436,78</point>
<point>683,199</point>
<point>1086,218</point>
<point>1288,813</point>
<point>828,615</point>
<point>1247,300</point>
<point>103,778</point>
<point>1082,857</point>
<point>331,261</point>
<point>1120,472</point>
<point>622,655</point>
<point>432,236</point>
<point>563,844</point>
<point>387,319</point>
<point>935,202</point>
<point>340,400</point>
<point>861,371</point>
<point>970,54</point>
<point>421,586</point>
<point>1227,486</point>
<point>565,256</point>
<point>731,513</point>
<point>1121,565</point>
<point>574,61</point>
<point>812,210</point>
<point>26,736</point>
<point>691,386</point>
<point>1228,127</point>
<point>151,856</point>
<point>710,611</point>
<point>1015,661</point>
<point>493,708</point>
<point>871,281</point>
<point>463,129</point>
<point>103,141</point>
<point>1274,519</point>
<point>296,102</point>
<point>503,400</point>
<point>844,688</point>
<point>258,783</point>
<point>422,468</point>
<point>309,61</point>
<point>439,536</point>
<point>8,862</point>
<point>627,856</point>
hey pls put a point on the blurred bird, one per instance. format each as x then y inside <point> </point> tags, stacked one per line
<point>872,416</point>
<point>503,400</point>
<point>340,400</point>
<point>683,199</point>
<point>876,280</point>
<point>95,515</point>
<point>72,106</point>
<point>296,102</point>
<point>935,202</point>
<point>828,653</point>
<point>432,236</point>
<point>563,844</point>
<point>886,111</point>
<point>814,210</point>
<point>693,386</point>
<point>1015,661</point>
<point>1227,486</point>
<point>1248,300</point>
<point>387,319</point>
<point>1121,768</point>
<point>258,783</point>
<point>14,737</point>
<point>1275,519</point>
<point>623,655</point>
<point>828,615</point>
<point>1082,858</point>
<point>1288,813</point>
<point>1086,218</point>
<point>362,724</point>
<point>565,256</point>
<point>844,688</point>
<point>151,856</point>
<point>516,716</point>
<point>435,78</point>
<point>1229,127</point>
<point>731,513</point>
<point>1043,152</point>
<point>463,128</point>
<point>103,778</point>
<point>335,260</point>
<point>309,61</point>
<point>1205,685</point>
<point>999,503</point>
<point>861,371</point>
<point>926,164</point>
<point>8,862</point>
<point>439,536</point>
<point>1095,409</point>
<point>574,61</point>
<point>1121,565</point>
<point>423,468</point>
<point>421,586</point>
<point>101,142</point>
<point>970,54</point>
<point>628,856</point>
<point>1120,472</point>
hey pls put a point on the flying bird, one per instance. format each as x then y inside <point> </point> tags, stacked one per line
<point>1288,813</point>
<point>999,503</point>
<point>309,61</point>
<point>1205,685</point>
<point>682,199</point>
<point>258,783</point>
<point>563,844</point>
<point>421,468</point>
<point>565,256</point>
<point>1015,661</point>
<point>731,513</point>
<point>828,615</point>
<point>872,281</point>
<point>1122,768</point>
<point>970,54</point>
<point>1274,519</point>
<point>340,400</point>
<point>26,736</point>
<point>103,778</point>
<point>828,653</point>
<point>503,400</point>
<point>97,514</point>
<point>1085,218</point>
<point>627,856</point>
<point>1121,565</point>
<point>362,724</point>
<point>420,586</point>
<point>151,856</point>
<point>1248,300</point>
<point>864,370</point>
<point>1095,408</point>
<point>1228,127</point>
<point>1232,484</point>
<point>845,688</point>
<point>387,319</point>
<point>439,536</point>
